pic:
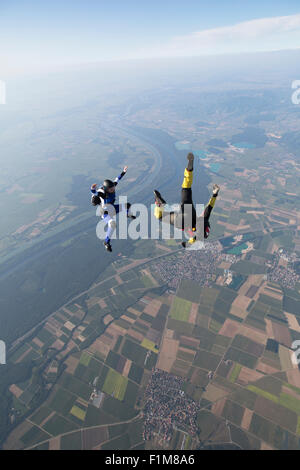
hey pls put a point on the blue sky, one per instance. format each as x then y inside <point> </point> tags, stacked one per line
<point>37,34</point>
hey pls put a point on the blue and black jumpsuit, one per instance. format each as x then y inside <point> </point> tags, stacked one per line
<point>109,208</point>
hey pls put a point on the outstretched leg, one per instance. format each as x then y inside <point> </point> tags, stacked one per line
<point>187,207</point>
<point>186,187</point>
<point>111,225</point>
<point>188,212</point>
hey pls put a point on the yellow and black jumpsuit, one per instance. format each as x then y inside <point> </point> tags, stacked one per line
<point>187,210</point>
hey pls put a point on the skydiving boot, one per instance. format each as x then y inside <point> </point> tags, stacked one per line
<point>158,199</point>
<point>159,205</point>
<point>190,158</point>
<point>216,189</point>
<point>108,246</point>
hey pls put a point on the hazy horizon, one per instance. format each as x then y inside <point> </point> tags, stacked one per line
<point>44,36</point>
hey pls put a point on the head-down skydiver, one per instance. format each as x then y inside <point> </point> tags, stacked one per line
<point>186,218</point>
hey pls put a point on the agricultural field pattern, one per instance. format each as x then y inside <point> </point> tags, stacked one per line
<point>175,349</point>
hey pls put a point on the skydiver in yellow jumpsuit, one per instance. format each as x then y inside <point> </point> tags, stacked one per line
<point>186,218</point>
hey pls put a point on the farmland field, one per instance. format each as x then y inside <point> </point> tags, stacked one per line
<point>153,346</point>
<point>115,384</point>
<point>180,309</point>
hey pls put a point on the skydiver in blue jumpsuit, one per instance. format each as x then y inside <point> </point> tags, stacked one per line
<point>105,196</point>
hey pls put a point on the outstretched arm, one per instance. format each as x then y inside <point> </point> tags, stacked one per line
<point>118,178</point>
<point>211,202</point>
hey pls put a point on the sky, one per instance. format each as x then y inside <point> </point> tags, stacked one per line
<point>40,34</point>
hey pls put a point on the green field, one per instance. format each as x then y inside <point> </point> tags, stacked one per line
<point>146,343</point>
<point>115,384</point>
<point>292,387</point>
<point>147,281</point>
<point>235,373</point>
<point>78,413</point>
<point>290,402</point>
<point>180,309</point>
<point>85,359</point>
<point>263,393</point>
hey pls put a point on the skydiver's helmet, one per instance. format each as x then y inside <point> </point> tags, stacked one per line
<point>95,200</point>
<point>108,184</point>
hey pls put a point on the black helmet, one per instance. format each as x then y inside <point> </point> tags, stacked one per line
<point>107,184</point>
<point>95,200</point>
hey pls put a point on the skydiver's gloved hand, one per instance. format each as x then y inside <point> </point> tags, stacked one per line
<point>94,188</point>
<point>122,174</point>
<point>190,158</point>
<point>95,198</point>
